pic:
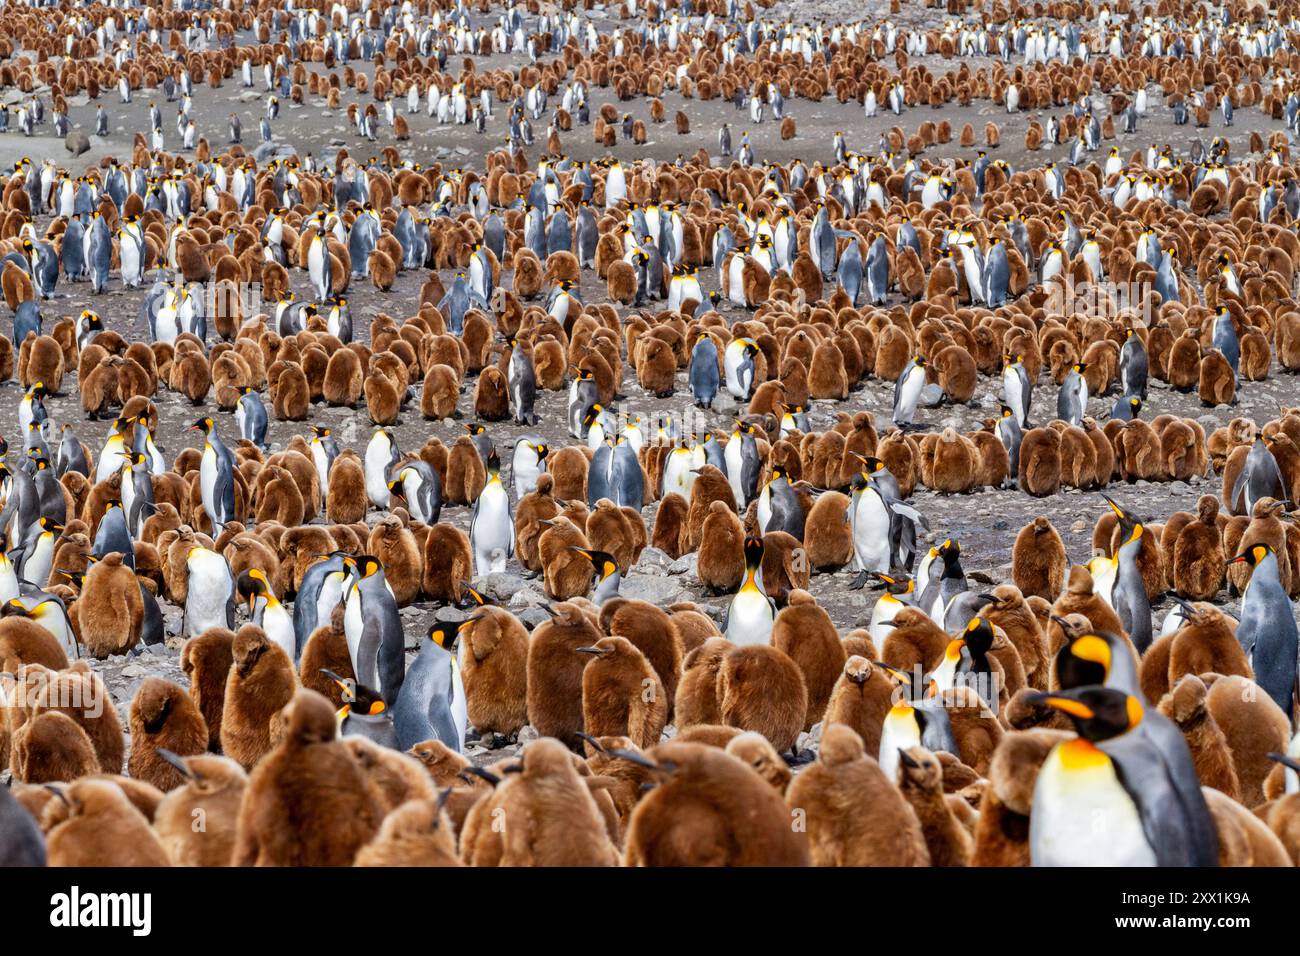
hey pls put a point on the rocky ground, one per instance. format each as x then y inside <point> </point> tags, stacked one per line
<point>985,522</point>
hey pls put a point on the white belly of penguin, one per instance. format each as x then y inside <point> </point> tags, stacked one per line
<point>205,604</point>
<point>316,267</point>
<point>677,475</point>
<point>736,280</point>
<point>1103,583</point>
<point>459,705</point>
<point>208,480</point>
<point>278,625</point>
<point>764,509</point>
<point>376,486</point>
<point>733,458</point>
<point>322,468</point>
<point>1084,817</point>
<point>1011,390</point>
<point>750,618</point>
<point>731,360</point>
<point>885,610</point>
<point>910,395</point>
<point>166,325</point>
<point>414,502</point>
<point>896,733</point>
<point>56,624</point>
<point>331,593</point>
<point>36,569</point>
<point>8,580</point>
<point>525,476</point>
<point>128,497</point>
<point>492,529</point>
<point>871,534</point>
<point>353,626</point>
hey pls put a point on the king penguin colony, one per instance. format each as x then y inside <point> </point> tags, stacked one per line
<point>381,423</point>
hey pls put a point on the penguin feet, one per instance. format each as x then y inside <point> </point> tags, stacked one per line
<point>859,582</point>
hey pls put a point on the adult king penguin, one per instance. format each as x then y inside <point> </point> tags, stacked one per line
<point>703,372</point>
<point>751,612</point>
<point>216,477</point>
<point>432,704</point>
<point>421,488</point>
<point>738,365</point>
<point>1267,631</point>
<point>1018,391</point>
<point>491,525</point>
<point>1110,796</point>
<point>1129,595</point>
<point>907,391</point>
<point>373,628</point>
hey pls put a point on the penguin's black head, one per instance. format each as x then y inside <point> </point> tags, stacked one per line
<point>493,462</point>
<point>1081,367</point>
<point>1129,523</point>
<point>365,565</point>
<point>1135,405</point>
<point>14,608</point>
<point>251,585</point>
<point>602,561</point>
<point>1085,661</point>
<point>1098,713</point>
<point>474,428</point>
<point>471,598</point>
<point>202,424</point>
<point>357,698</point>
<point>321,431</point>
<point>898,584</point>
<point>950,550</point>
<point>922,361</point>
<point>445,634</point>
<point>978,636</point>
<point>541,450</point>
<point>753,551</point>
<point>1254,555</point>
